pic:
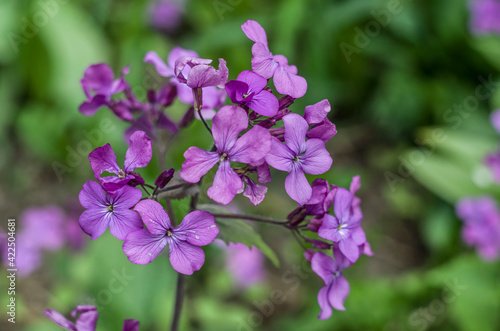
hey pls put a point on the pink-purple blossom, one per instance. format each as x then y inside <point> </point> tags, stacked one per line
<point>213,97</point>
<point>298,157</point>
<point>317,116</point>
<point>268,65</point>
<point>197,229</point>
<point>336,288</point>
<point>485,16</point>
<point>99,85</point>
<point>250,148</point>
<point>105,210</point>
<point>481,229</point>
<point>246,265</point>
<point>103,159</point>
<point>344,228</point>
<point>86,319</point>
<point>248,90</point>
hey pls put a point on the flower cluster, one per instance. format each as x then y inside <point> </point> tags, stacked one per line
<point>109,203</point>
<point>258,132</point>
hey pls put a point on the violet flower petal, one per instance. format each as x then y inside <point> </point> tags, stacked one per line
<point>264,103</point>
<point>197,228</point>
<point>184,257</point>
<point>338,292</point>
<point>142,247</point>
<point>295,132</point>
<point>297,186</point>
<point>316,113</point>
<point>198,162</point>
<point>103,159</point>
<point>160,66</point>
<point>59,319</point>
<point>252,146</point>
<point>290,84</point>
<point>154,216</point>
<point>227,125</point>
<point>280,156</point>
<point>316,160</point>
<point>139,153</point>
<point>226,184</point>
<point>254,31</point>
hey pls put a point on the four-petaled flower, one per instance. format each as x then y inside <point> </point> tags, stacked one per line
<point>138,155</point>
<point>336,288</point>
<point>248,89</point>
<point>99,85</point>
<point>297,157</point>
<point>198,228</point>
<point>87,320</point>
<point>344,228</point>
<point>104,209</point>
<point>265,64</point>
<point>250,148</point>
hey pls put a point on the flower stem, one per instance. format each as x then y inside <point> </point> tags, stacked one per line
<point>205,122</point>
<point>179,299</point>
<point>174,187</point>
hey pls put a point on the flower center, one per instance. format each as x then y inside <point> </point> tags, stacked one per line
<point>340,227</point>
<point>336,274</point>
<point>110,208</point>
<point>223,156</point>
<point>296,159</point>
<point>169,233</point>
<point>122,174</point>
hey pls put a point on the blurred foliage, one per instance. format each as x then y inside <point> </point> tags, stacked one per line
<point>390,97</point>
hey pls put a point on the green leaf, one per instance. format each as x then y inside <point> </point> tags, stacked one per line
<point>238,231</point>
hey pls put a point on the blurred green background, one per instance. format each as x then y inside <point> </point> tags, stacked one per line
<point>409,119</point>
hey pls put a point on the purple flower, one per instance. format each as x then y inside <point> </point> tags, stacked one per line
<point>485,16</point>
<point>246,265</point>
<point>297,157</point>
<point>344,228</point>
<point>99,85</point>
<point>336,288</point>
<point>198,228</point>
<point>87,320</point>
<point>316,115</point>
<point>250,148</point>
<point>166,15</point>
<point>41,229</point>
<point>213,97</point>
<point>104,159</point>
<point>105,210</point>
<point>202,74</point>
<point>248,89</point>
<point>481,225</point>
<point>265,64</point>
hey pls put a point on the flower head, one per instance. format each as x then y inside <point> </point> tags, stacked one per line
<point>297,157</point>
<point>265,64</point>
<point>86,320</point>
<point>99,85</point>
<point>481,225</point>
<point>344,228</point>
<point>105,210</point>
<point>336,288</point>
<point>316,115</point>
<point>212,97</point>
<point>197,229</point>
<point>485,16</point>
<point>250,148</point>
<point>103,159</point>
<point>248,89</point>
